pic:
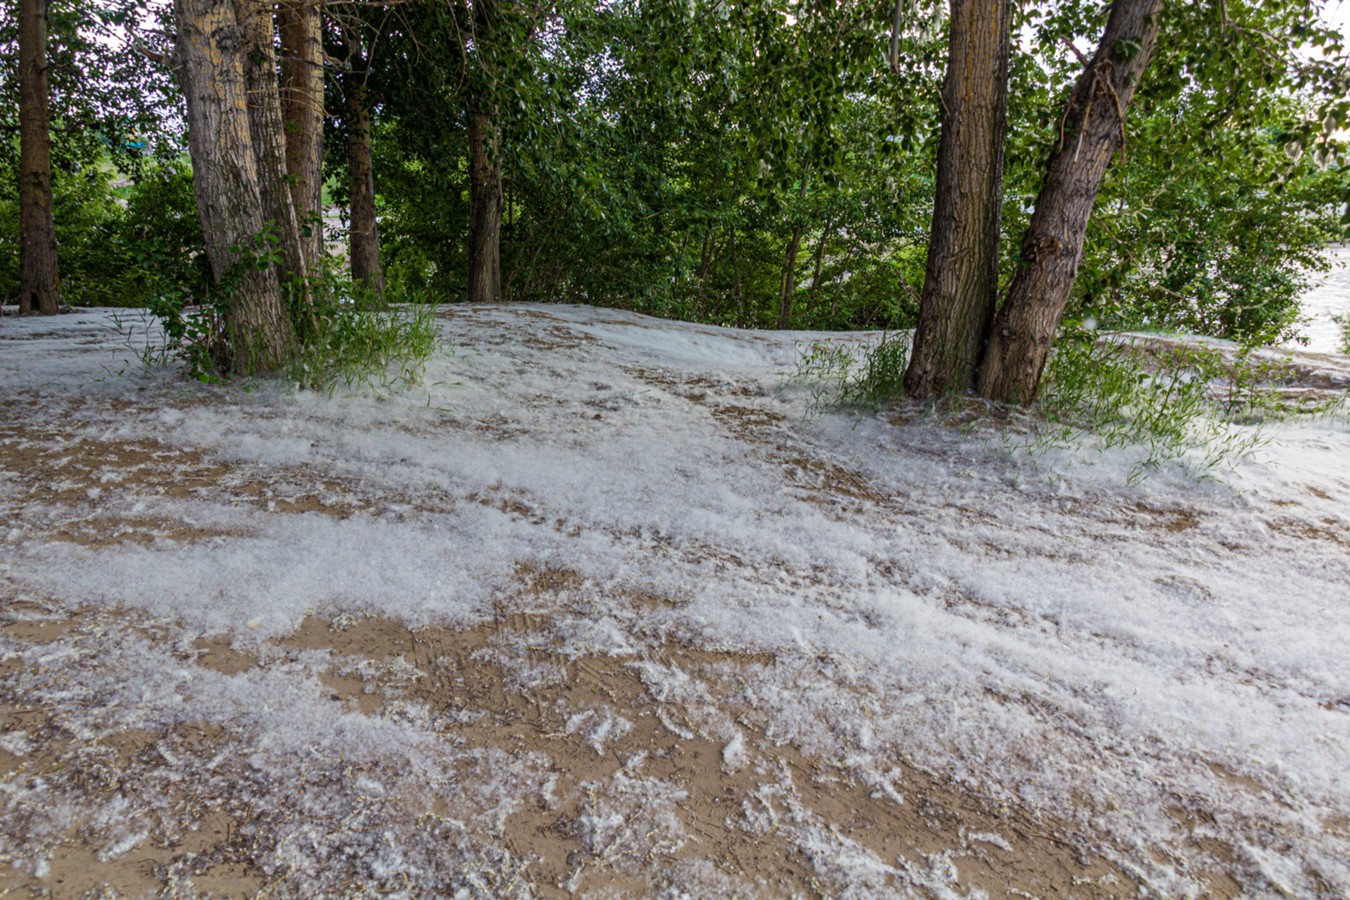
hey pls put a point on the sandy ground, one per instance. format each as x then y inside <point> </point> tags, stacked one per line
<point>566,732</point>
<point>205,837</point>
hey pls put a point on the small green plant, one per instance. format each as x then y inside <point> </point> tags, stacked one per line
<point>1168,408</point>
<point>347,336</point>
<point>1344,322</point>
<point>850,376</point>
<point>193,334</point>
<point>351,338</point>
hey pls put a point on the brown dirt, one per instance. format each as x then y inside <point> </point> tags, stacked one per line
<point>746,821</point>
<point>766,823</point>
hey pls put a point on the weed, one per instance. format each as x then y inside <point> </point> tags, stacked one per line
<point>1170,409</point>
<point>1344,322</point>
<point>351,338</point>
<point>850,376</point>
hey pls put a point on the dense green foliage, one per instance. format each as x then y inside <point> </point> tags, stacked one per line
<point>745,162</point>
<point>662,156</point>
<point>120,246</point>
<point>113,122</point>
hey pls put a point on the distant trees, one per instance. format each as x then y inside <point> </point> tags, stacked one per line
<point>77,101</point>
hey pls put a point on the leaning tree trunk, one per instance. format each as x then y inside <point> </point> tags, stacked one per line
<point>39,285</point>
<point>1093,130</point>
<point>211,47</point>
<point>300,24</point>
<point>364,237</point>
<point>960,288</point>
<point>268,131</point>
<point>485,210</point>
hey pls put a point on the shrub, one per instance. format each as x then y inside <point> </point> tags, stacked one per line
<point>843,375</point>
<point>351,338</point>
<point>1164,402</point>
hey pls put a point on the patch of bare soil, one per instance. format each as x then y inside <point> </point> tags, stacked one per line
<point>98,485</point>
<point>820,481</point>
<point>1329,530</point>
<point>758,816</point>
<point>1172,519</point>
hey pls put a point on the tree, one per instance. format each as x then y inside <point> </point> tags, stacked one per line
<point>39,287</point>
<point>960,289</point>
<point>363,231</point>
<point>485,208</point>
<point>300,24</point>
<point>267,133</point>
<point>1092,132</point>
<point>211,51</point>
<point>486,28</point>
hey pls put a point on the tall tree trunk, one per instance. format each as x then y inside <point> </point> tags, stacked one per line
<point>364,235</point>
<point>268,131</point>
<point>39,285</point>
<point>485,210</point>
<point>1093,130</point>
<point>300,24</point>
<point>960,288</point>
<point>210,54</point>
<point>818,262</point>
<point>787,285</point>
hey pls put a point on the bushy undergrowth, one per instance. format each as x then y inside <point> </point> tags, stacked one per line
<point>348,337</point>
<point>1189,404</point>
<point>844,375</point>
<point>354,339</point>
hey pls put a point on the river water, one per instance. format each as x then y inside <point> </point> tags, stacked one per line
<point>1331,299</point>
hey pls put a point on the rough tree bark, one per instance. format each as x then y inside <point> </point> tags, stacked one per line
<point>210,59</point>
<point>39,284</point>
<point>485,210</point>
<point>960,290</point>
<point>787,285</point>
<point>364,237</point>
<point>818,263</point>
<point>268,132</point>
<point>1092,131</point>
<point>300,24</point>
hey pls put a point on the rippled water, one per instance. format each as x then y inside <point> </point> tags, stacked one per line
<point>1331,299</point>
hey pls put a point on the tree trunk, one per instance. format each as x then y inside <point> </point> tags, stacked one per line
<point>39,285</point>
<point>268,131</point>
<point>300,24</point>
<point>706,258</point>
<point>365,239</point>
<point>1093,129</point>
<point>788,284</point>
<point>210,55</point>
<point>818,263</point>
<point>960,288</point>
<point>485,210</point>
